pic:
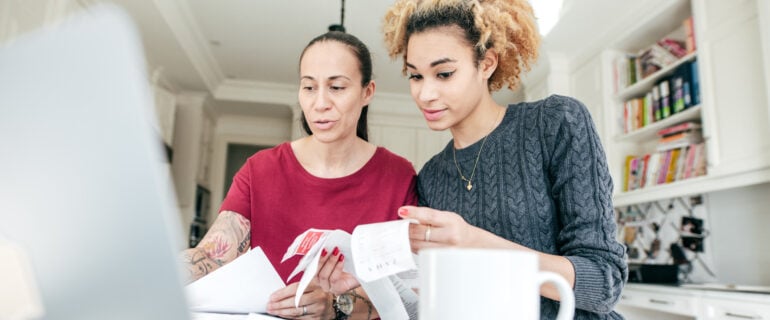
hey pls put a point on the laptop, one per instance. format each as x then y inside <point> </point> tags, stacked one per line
<point>84,188</point>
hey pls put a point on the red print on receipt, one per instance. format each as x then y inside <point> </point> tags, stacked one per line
<point>311,237</point>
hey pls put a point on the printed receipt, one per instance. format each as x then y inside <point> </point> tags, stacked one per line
<point>377,252</point>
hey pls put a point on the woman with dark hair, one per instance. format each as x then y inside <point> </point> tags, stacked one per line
<point>331,179</point>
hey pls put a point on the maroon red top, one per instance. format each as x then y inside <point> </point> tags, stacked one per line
<point>282,200</point>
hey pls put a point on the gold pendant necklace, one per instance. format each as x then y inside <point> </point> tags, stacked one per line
<point>469,186</point>
<point>454,153</point>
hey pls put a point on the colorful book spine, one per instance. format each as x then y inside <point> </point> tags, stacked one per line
<point>665,163</point>
<point>665,100</point>
<point>671,173</point>
<point>690,125</point>
<point>648,116</point>
<point>656,104</point>
<point>700,162</point>
<point>678,101</point>
<point>689,30</point>
<point>689,162</point>
<point>695,83</point>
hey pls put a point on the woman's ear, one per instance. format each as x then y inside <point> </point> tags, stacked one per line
<point>368,92</point>
<point>488,63</point>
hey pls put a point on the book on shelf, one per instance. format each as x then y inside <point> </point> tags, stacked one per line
<point>689,162</point>
<point>677,128</point>
<point>678,99</point>
<point>656,112</point>
<point>689,30</point>
<point>627,173</point>
<point>680,163</point>
<point>675,47</point>
<point>665,99</point>
<point>678,140</point>
<point>665,163</point>
<point>653,166</point>
<point>672,165</point>
<point>649,118</point>
<point>700,163</point>
<point>694,82</point>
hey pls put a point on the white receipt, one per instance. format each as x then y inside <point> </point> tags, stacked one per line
<point>242,286</point>
<point>381,249</point>
<point>374,252</point>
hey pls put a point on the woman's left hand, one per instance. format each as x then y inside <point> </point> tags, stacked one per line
<point>331,277</point>
<point>314,303</point>
<point>437,228</point>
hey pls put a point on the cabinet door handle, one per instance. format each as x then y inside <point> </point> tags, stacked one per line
<point>741,316</point>
<point>661,301</point>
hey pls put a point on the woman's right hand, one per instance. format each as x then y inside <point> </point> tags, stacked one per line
<point>330,275</point>
<point>437,228</point>
<point>314,303</point>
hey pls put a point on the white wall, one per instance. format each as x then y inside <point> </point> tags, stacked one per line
<point>740,220</point>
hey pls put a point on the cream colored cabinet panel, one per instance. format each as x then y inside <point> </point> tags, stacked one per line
<point>735,100</point>
<point>399,140</point>
<point>679,304</point>
<point>417,145</point>
<point>429,143</point>
<point>728,309</point>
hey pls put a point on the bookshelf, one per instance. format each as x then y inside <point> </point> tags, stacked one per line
<point>732,109</point>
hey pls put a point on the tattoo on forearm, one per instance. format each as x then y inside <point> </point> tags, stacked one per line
<point>245,244</point>
<point>227,239</point>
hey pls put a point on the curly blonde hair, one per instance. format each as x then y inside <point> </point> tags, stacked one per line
<point>508,26</point>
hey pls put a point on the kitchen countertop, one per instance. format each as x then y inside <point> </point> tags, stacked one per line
<point>705,286</point>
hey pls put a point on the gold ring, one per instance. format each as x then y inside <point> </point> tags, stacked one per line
<point>427,234</point>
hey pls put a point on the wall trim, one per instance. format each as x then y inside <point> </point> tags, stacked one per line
<point>180,20</point>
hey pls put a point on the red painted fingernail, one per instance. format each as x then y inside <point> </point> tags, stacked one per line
<point>342,257</point>
<point>335,251</point>
<point>403,212</point>
<point>323,252</point>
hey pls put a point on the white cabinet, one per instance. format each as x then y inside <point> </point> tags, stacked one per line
<point>667,302</point>
<point>735,100</point>
<point>643,301</point>
<point>415,144</point>
<point>725,308</point>
<point>396,124</point>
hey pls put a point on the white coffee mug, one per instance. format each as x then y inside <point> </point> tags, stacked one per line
<point>485,284</point>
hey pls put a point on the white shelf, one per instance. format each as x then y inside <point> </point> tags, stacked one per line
<point>650,132</point>
<point>643,86</point>
<point>704,184</point>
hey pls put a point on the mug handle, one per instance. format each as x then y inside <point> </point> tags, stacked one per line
<point>567,298</point>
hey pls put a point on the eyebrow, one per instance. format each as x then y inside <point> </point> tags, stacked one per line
<point>434,63</point>
<point>330,78</point>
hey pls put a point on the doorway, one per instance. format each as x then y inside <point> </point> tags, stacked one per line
<point>237,154</point>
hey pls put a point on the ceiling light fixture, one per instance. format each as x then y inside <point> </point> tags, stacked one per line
<point>339,27</point>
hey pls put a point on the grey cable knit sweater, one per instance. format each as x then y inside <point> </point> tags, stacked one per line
<point>542,182</point>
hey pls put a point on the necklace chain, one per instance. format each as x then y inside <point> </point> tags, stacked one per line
<point>469,186</point>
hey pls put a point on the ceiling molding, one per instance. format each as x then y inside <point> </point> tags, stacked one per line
<point>279,93</point>
<point>610,36</point>
<point>183,25</point>
<point>254,91</point>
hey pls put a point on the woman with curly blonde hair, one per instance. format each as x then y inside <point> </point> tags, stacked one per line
<point>530,176</point>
